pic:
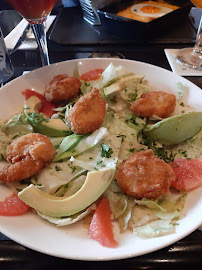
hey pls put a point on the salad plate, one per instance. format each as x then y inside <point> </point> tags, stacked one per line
<point>73,241</point>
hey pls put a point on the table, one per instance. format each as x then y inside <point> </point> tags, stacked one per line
<point>184,254</point>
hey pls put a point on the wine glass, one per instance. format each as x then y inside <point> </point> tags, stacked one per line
<point>36,12</point>
<point>192,57</point>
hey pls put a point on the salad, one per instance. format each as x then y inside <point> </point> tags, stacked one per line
<point>76,179</point>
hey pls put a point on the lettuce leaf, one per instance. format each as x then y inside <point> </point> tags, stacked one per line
<point>68,220</point>
<point>55,175</point>
<point>84,144</point>
<point>68,143</point>
<point>92,159</point>
<point>155,228</point>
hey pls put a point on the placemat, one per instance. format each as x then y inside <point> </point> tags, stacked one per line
<point>177,67</point>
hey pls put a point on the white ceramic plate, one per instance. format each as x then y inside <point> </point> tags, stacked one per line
<point>73,242</point>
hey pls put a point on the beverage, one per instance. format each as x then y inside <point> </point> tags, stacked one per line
<point>33,10</point>
<point>197,3</point>
<point>36,12</point>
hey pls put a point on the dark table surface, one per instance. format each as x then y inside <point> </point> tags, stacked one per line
<point>186,253</point>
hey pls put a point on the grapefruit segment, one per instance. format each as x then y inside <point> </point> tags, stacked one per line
<point>188,173</point>
<point>101,226</point>
<point>92,75</point>
<point>13,206</point>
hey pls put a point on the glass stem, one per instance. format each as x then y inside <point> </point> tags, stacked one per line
<point>40,35</point>
<point>198,44</point>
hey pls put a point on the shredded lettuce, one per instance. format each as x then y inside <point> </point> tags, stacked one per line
<point>155,228</point>
<point>109,75</point>
<point>68,143</point>
<point>180,88</point>
<point>68,220</point>
<point>17,126</point>
<point>92,159</point>
<point>51,178</point>
<point>84,144</point>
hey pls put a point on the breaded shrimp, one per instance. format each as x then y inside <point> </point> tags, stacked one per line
<point>28,155</point>
<point>145,175</point>
<point>88,113</point>
<point>62,88</point>
<point>156,103</point>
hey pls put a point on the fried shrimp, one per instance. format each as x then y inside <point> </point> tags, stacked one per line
<point>28,155</point>
<point>156,103</point>
<point>62,88</point>
<point>88,113</point>
<point>145,175</point>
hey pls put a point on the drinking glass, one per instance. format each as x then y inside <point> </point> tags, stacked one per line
<point>36,12</point>
<point>192,57</point>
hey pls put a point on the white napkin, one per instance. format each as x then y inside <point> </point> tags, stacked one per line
<point>12,38</point>
<point>177,67</point>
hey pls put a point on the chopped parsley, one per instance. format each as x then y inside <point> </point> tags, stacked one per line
<point>106,151</point>
<point>99,162</point>
<point>35,118</point>
<point>26,181</point>
<point>162,153</point>
<point>57,168</point>
<point>122,136</point>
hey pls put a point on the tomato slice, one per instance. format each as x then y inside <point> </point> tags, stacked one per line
<point>188,173</point>
<point>29,93</point>
<point>46,107</point>
<point>13,206</point>
<point>92,75</point>
<point>101,226</point>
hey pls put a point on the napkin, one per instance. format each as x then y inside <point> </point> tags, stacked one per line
<point>177,67</point>
<point>12,38</point>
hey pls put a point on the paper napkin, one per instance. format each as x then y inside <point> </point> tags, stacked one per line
<point>177,67</point>
<point>12,38</point>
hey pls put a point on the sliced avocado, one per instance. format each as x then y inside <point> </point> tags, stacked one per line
<point>116,87</point>
<point>95,184</point>
<point>55,127</point>
<point>48,127</point>
<point>32,104</point>
<point>17,126</point>
<point>175,129</point>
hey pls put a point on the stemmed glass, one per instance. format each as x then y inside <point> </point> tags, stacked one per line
<point>192,57</point>
<point>36,12</point>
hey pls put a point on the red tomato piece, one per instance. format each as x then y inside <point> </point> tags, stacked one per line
<point>188,174</point>
<point>29,93</point>
<point>46,107</point>
<point>13,206</point>
<point>101,226</point>
<point>92,75</point>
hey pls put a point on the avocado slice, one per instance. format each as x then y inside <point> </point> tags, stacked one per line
<point>48,127</point>
<point>116,87</point>
<point>175,129</point>
<point>53,128</point>
<point>32,104</point>
<point>95,184</point>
